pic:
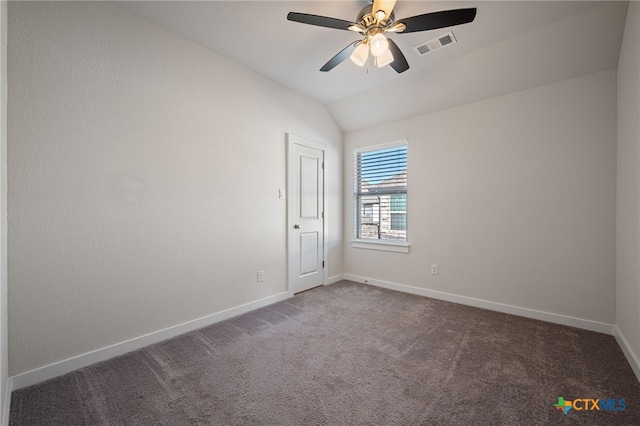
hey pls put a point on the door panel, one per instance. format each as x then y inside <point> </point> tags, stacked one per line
<point>305,222</point>
<point>309,190</point>
<point>308,253</point>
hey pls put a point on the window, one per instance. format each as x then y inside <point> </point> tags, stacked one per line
<point>380,194</point>
<point>399,212</point>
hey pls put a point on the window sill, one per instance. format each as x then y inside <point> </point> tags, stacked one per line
<point>384,245</point>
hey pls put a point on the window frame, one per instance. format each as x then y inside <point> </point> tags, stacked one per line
<point>397,246</point>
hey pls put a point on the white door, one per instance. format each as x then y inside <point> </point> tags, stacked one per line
<point>306,215</point>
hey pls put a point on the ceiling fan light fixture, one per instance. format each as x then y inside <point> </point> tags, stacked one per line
<point>356,28</point>
<point>360,55</point>
<point>379,45</point>
<point>385,59</point>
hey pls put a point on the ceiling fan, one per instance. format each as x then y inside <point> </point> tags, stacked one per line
<point>373,22</point>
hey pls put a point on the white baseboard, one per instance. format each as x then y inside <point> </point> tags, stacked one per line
<point>628,352</point>
<point>334,279</point>
<point>493,306</point>
<point>60,368</point>
<point>6,404</point>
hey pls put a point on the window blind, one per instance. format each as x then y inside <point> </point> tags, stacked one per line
<point>380,193</point>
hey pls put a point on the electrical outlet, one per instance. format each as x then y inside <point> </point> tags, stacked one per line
<point>260,276</point>
<point>434,269</point>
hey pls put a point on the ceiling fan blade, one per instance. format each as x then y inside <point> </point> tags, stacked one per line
<point>384,5</point>
<point>320,21</point>
<point>399,63</point>
<point>435,20</point>
<point>337,60</point>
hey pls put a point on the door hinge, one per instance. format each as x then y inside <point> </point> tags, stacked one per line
<point>323,165</point>
<point>323,215</point>
<point>323,263</point>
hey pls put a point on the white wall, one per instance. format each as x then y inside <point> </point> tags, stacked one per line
<point>143,180</point>
<point>4,330</point>
<point>513,197</point>
<point>628,184</point>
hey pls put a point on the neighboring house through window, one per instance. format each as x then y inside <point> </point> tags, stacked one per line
<point>380,194</point>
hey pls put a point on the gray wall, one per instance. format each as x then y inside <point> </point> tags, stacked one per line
<point>513,197</point>
<point>143,180</point>
<point>628,184</point>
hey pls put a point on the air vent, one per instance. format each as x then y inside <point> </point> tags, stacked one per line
<point>446,39</point>
<point>435,44</point>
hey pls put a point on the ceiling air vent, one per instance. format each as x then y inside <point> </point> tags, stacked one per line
<point>435,44</point>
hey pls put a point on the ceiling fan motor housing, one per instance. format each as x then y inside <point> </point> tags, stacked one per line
<point>367,19</point>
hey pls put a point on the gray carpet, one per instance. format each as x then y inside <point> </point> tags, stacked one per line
<point>349,354</point>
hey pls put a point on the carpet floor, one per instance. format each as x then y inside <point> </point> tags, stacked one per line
<point>351,354</point>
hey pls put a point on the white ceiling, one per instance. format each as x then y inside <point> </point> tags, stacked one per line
<point>511,46</point>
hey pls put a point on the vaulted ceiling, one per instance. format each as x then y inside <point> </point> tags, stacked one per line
<point>511,46</point>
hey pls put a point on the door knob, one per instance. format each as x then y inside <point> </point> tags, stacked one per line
<point>296,226</point>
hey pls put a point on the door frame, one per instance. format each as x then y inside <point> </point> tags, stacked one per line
<point>292,139</point>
